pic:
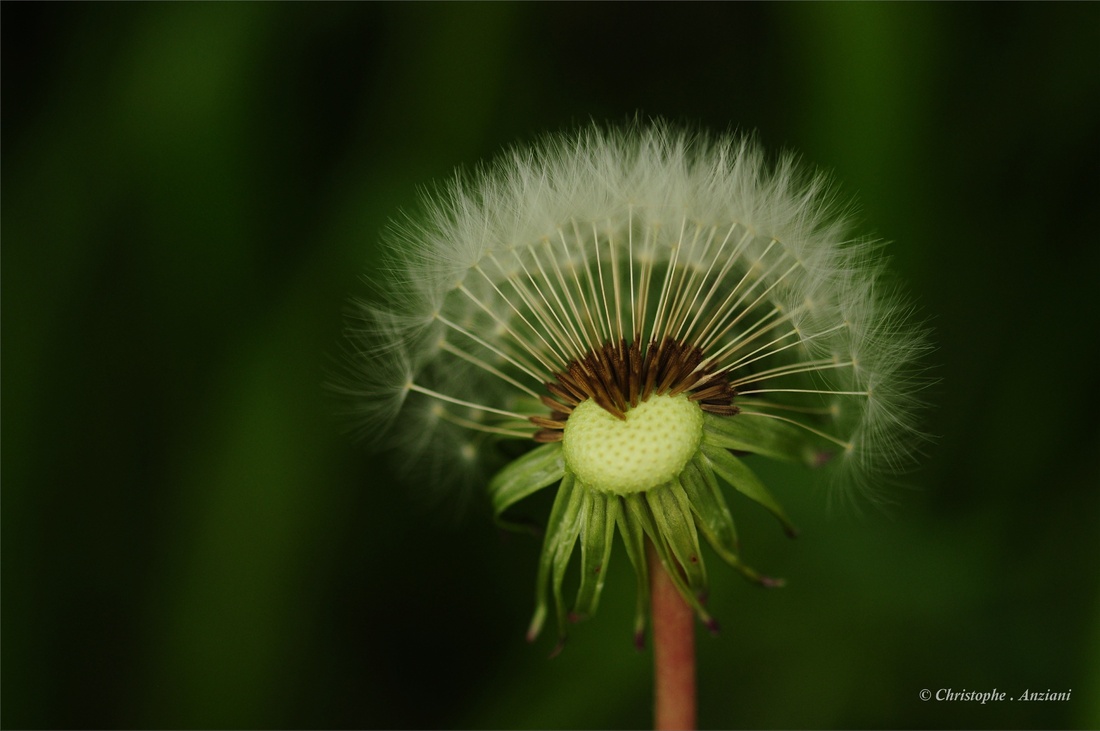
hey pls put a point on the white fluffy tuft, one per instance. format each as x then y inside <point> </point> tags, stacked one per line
<point>641,232</point>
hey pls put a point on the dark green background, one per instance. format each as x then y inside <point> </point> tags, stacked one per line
<point>190,191</point>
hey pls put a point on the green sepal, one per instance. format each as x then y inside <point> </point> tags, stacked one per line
<point>550,542</point>
<point>737,474</point>
<point>714,517</point>
<point>597,537</point>
<point>761,435</point>
<point>639,512</point>
<point>710,508</point>
<point>634,540</point>
<point>571,522</point>
<point>539,468</point>
<point>672,514</point>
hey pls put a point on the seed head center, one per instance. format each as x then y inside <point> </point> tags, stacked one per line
<point>651,446</point>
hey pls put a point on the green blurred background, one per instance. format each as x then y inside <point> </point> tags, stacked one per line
<point>191,191</point>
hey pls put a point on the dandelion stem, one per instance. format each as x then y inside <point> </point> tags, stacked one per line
<point>673,651</point>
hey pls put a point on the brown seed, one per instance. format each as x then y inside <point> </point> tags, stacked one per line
<point>618,377</point>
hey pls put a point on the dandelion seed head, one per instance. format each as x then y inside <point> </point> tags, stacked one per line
<point>527,264</point>
<point>568,292</point>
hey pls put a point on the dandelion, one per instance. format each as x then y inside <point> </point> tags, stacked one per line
<point>629,315</point>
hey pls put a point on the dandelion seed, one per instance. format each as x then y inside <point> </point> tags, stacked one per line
<point>643,308</point>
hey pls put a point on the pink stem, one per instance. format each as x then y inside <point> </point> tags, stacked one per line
<point>673,652</point>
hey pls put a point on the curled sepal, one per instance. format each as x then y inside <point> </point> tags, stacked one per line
<point>596,538</point>
<point>539,468</point>
<point>734,471</point>
<point>766,436</point>
<point>634,540</point>
<point>637,510</point>
<point>712,514</point>
<point>550,543</point>
<point>714,519</point>
<point>571,523</point>
<point>672,515</point>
